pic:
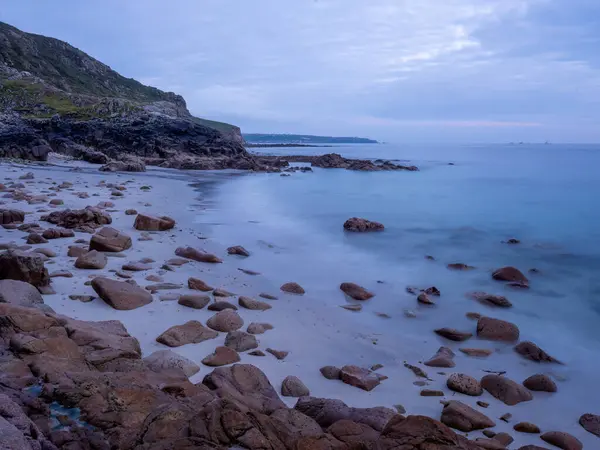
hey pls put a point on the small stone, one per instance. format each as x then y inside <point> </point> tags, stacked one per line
<point>497,330</point>
<point>527,427</point>
<point>424,299</point>
<point>259,328</point>
<point>130,212</point>
<point>354,308</point>
<point>238,250</point>
<point>400,409</point>
<point>376,367</point>
<point>198,285</point>
<point>240,341</point>
<point>431,393</point>
<point>465,384</point>
<point>194,301</point>
<point>506,417</point>
<point>531,351</point>
<point>540,383</point>
<point>257,353</point>
<point>416,370</point>
<point>35,238</point>
<point>169,297</point>
<point>489,433</point>
<point>443,358</point>
<point>293,387</point>
<point>278,353</point>
<point>249,272</point>
<point>192,332</point>
<point>221,357</point>
<point>355,291</point>
<point>92,260</point>
<point>293,288</point>
<point>359,377</point>
<point>483,404</point>
<point>473,316</point>
<point>476,352</point>
<point>459,266</point>
<point>330,372</point>
<point>464,418</point>
<point>453,334</point>
<point>225,321</point>
<point>505,390</point>
<point>267,296</point>
<point>61,273</point>
<point>82,298</point>
<point>221,305</point>
<point>256,305</point>
<point>222,293</point>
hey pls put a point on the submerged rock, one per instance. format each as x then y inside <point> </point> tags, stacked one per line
<point>357,224</point>
<point>510,274</point>
<point>497,330</point>
<point>355,291</point>
<point>293,288</point>
<point>197,255</point>
<point>238,250</point>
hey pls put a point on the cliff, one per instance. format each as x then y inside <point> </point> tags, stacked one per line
<point>54,97</point>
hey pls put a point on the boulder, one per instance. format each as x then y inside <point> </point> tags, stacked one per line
<point>491,299</point>
<point>249,303</point>
<point>238,250</point>
<point>356,224</point>
<point>425,299</point>
<point>510,274</point>
<point>197,255</point>
<point>497,330</point>
<point>136,266</point>
<point>531,351</point>
<point>453,334</point>
<point>130,212</point>
<point>8,216</point>
<point>505,390</point>
<point>110,240</point>
<point>245,384</point>
<point>355,291</point>
<point>240,341</point>
<point>293,288</point>
<point>121,295</point>
<point>540,383</point>
<point>293,387</point>
<point>331,372</point>
<point>194,301</point>
<point>85,220</point>
<point>23,266</point>
<point>76,251</point>
<point>198,285</point>
<point>225,321</point>
<point>527,427</point>
<point>91,260</point>
<point>562,440</point>
<point>168,360</point>
<point>359,377</point>
<point>19,293</point>
<point>222,356</point>
<point>590,423</point>
<point>144,222</point>
<point>259,328</point>
<point>57,233</point>
<point>220,305</point>
<point>443,358</point>
<point>46,252</point>
<point>465,384</point>
<point>464,418</point>
<point>34,239</point>
<point>192,332</point>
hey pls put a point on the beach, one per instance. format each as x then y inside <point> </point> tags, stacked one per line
<point>391,329</point>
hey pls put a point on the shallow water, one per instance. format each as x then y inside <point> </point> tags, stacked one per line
<point>544,195</point>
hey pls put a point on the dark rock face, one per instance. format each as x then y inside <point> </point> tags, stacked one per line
<point>23,266</point>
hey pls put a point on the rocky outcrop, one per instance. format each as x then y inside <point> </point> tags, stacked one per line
<point>336,161</point>
<point>84,220</point>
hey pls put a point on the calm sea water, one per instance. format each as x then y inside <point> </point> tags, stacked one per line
<point>544,195</point>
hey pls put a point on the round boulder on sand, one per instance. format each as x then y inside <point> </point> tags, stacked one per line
<point>110,240</point>
<point>192,332</point>
<point>167,359</point>
<point>330,372</point>
<point>250,303</point>
<point>443,358</point>
<point>540,383</point>
<point>355,291</point>
<point>221,357</point>
<point>506,390</point>
<point>240,341</point>
<point>145,222</point>
<point>465,384</point>
<point>591,423</point>
<point>510,274</point>
<point>91,260</point>
<point>198,285</point>
<point>531,351</point>
<point>238,250</point>
<point>293,288</point>
<point>225,321</point>
<point>453,334</point>
<point>221,305</point>
<point>497,330</point>
<point>527,427</point>
<point>293,387</point>
<point>19,293</point>
<point>194,301</point>
<point>562,440</point>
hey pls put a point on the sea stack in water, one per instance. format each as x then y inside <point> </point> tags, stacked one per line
<point>359,225</point>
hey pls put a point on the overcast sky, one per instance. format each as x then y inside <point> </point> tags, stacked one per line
<point>396,70</point>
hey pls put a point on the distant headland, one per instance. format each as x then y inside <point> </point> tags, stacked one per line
<point>299,140</point>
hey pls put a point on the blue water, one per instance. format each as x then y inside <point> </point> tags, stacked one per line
<point>544,195</point>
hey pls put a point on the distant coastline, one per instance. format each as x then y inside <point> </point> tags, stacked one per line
<point>300,140</point>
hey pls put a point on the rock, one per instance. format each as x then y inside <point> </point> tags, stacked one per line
<point>132,212</point>
<point>279,354</point>
<point>453,335</point>
<point>82,298</point>
<point>76,251</point>
<point>293,387</point>
<point>225,321</point>
<point>249,272</point>
<point>259,328</point>
<point>22,266</point>
<point>130,165</point>
<point>540,383</point>
<point>510,274</point>
<point>110,240</point>
<point>293,288</point>
<point>532,447</point>
<point>192,332</point>
<point>221,305</point>
<point>46,252</point>
<point>167,359</point>
<point>355,291</point>
<point>459,266</point>
<point>459,382</point>
<point>424,299</point>
<point>490,299</point>
<point>154,278</point>
<point>9,216</point>
<point>238,250</point>
<point>61,273</point>
<point>194,301</point>
<point>477,352</point>
<point>197,255</point>
<point>562,440</point>
<point>473,316</point>
<point>85,220</point>
<point>222,293</point>
<point>590,423</point>
<point>136,266</point>
<point>531,351</point>
<point>221,357</point>
<point>464,418</point>
<point>91,260</point>
<point>331,372</point>
<point>169,297</point>
<point>249,303</point>
<point>359,377</point>
<point>354,308</point>
<point>245,384</point>
<point>257,353</point>
<point>57,233</point>
<point>35,238</point>
<point>432,291</point>
<point>505,390</point>
<point>163,287</point>
<point>357,224</point>
<point>506,417</point>
<point>443,358</point>
<point>145,222</point>
<point>527,427</point>
<point>416,370</point>
<point>431,393</point>
<point>240,341</point>
<point>198,285</point>
<point>497,330</point>
<point>19,293</point>
<point>120,295</point>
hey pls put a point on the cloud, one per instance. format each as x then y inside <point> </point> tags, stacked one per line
<point>510,69</point>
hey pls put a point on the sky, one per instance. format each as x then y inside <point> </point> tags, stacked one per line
<point>393,70</point>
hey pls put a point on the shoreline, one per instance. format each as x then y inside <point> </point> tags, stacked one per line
<point>314,331</point>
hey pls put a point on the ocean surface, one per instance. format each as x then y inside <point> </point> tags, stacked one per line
<point>544,195</point>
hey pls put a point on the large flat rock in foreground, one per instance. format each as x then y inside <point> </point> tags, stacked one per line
<point>120,294</point>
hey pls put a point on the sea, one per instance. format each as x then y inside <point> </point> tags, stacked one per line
<point>462,206</point>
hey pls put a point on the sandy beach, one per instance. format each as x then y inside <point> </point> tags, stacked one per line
<point>313,328</point>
